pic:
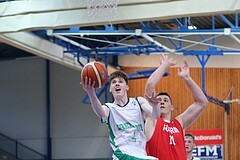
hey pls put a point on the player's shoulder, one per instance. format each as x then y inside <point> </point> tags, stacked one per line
<point>140,99</point>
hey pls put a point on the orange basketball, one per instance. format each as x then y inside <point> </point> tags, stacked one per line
<point>97,72</point>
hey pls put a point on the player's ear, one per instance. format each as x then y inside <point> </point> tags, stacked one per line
<point>127,87</point>
<point>110,90</point>
<point>172,107</point>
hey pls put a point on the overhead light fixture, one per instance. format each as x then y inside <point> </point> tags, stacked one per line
<point>192,27</point>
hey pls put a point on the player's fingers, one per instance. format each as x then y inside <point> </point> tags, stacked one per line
<point>93,83</point>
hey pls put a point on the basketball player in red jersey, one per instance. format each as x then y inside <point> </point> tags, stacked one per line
<point>165,136</point>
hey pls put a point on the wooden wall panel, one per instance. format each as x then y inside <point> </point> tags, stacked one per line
<point>218,82</point>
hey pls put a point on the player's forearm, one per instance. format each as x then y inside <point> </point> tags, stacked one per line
<point>156,112</point>
<point>96,105</point>
<point>153,112</point>
<point>155,77</point>
<point>197,93</point>
<point>150,109</point>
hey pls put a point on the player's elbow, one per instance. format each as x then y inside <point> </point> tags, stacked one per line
<point>149,89</point>
<point>203,102</point>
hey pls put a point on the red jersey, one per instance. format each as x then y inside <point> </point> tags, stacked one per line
<point>167,141</point>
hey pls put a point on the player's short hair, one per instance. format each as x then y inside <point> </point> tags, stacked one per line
<point>190,135</point>
<point>120,74</point>
<point>165,94</point>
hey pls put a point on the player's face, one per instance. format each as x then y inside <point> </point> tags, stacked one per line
<point>189,144</point>
<point>164,103</point>
<point>118,86</point>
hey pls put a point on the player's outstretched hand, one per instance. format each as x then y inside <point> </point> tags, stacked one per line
<point>87,84</point>
<point>168,61</point>
<point>152,99</point>
<point>183,71</point>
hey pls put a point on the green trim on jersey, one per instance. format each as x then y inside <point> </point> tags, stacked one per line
<point>112,136</point>
<point>122,156</point>
<point>103,120</point>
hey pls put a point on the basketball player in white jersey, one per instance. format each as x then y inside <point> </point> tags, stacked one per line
<point>124,117</point>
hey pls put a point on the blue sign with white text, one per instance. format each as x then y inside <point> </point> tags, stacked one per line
<point>208,152</point>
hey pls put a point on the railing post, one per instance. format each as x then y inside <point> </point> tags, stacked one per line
<point>16,149</point>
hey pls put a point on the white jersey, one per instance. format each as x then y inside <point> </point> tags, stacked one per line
<point>126,129</point>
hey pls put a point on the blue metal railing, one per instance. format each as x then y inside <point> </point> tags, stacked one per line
<point>13,148</point>
<point>7,0</point>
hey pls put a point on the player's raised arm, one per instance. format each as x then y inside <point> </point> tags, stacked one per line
<point>94,75</point>
<point>191,114</point>
<point>158,74</point>
<point>98,108</point>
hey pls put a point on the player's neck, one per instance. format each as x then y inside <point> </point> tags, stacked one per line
<point>121,101</point>
<point>166,117</point>
<point>189,156</point>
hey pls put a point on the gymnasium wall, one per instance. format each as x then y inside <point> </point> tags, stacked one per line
<point>218,82</point>
<point>153,60</point>
<point>76,131</point>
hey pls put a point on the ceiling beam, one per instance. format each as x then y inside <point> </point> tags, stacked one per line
<point>45,49</point>
<point>42,48</point>
<point>34,15</point>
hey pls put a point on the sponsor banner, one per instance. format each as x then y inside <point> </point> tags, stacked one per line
<point>209,144</point>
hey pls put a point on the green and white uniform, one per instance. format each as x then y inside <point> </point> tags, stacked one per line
<point>126,131</point>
